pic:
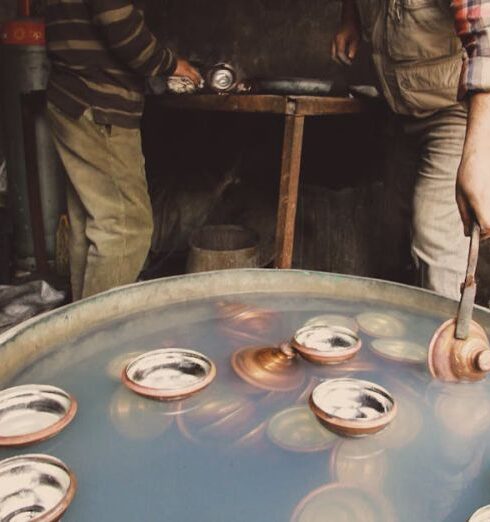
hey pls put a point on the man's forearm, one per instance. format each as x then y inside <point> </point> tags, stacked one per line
<point>478,130</point>
<point>473,183</point>
<point>349,11</point>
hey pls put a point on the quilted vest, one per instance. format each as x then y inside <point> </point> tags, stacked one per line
<point>416,52</point>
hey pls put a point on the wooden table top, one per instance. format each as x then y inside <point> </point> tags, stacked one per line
<point>260,103</point>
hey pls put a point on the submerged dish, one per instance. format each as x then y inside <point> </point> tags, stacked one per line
<point>297,429</point>
<point>400,350</point>
<point>379,324</point>
<point>339,502</point>
<point>333,320</point>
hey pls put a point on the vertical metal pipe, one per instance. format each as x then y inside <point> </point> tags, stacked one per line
<point>24,8</point>
<point>31,104</point>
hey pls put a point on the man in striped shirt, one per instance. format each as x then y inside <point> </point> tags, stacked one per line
<point>101,52</point>
<point>432,59</point>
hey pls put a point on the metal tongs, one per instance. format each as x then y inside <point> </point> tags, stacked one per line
<point>468,288</point>
<point>459,350</point>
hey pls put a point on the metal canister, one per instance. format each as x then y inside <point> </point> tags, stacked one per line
<point>222,78</point>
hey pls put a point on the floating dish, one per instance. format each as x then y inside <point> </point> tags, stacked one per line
<point>381,325</point>
<point>169,374</point>
<point>326,344</point>
<point>35,488</point>
<point>400,350</point>
<point>339,502</point>
<point>268,368</point>
<point>33,412</point>
<point>297,429</point>
<point>482,515</point>
<point>352,407</point>
<point>333,320</point>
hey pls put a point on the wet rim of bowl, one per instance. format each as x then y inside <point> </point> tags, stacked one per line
<point>57,511</point>
<point>158,393</point>
<point>354,427</point>
<point>341,355</point>
<point>45,433</point>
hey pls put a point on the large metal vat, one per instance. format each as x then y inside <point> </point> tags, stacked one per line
<point>239,453</point>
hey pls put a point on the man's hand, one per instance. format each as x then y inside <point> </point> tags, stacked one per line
<point>473,182</point>
<point>184,68</point>
<point>346,41</point>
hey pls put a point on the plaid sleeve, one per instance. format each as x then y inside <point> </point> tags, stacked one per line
<point>472,19</point>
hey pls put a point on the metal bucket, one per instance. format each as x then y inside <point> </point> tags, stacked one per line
<point>219,247</point>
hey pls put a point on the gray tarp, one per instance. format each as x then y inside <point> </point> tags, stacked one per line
<point>18,303</point>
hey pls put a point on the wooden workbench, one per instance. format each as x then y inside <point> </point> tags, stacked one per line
<point>295,109</point>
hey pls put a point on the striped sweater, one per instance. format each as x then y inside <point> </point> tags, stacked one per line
<point>100,52</point>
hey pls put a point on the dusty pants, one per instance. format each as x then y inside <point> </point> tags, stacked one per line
<point>439,247</point>
<point>108,203</point>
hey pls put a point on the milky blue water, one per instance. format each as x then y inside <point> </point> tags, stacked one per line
<point>212,457</point>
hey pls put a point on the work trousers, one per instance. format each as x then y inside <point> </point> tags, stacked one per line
<point>433,147</point>
<point>108,203</point>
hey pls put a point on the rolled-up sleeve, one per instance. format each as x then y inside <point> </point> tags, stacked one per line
<point>472,19</point>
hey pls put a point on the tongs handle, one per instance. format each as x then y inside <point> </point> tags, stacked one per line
<point>468,290</point>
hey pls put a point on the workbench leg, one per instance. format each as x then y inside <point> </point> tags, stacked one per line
<point>288,192</point>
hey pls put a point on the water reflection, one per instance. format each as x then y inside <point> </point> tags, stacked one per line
<point>463,409</point>
<point>296,429</point>
<point>245,324</point>
<point>340,503</point>
<point>139,418</point>
<point>220,417</point>
<point>362,463</point>
<point>116,365</point>
<point>405,428</point>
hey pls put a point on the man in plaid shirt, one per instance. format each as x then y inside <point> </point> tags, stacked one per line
<point>432,59</point>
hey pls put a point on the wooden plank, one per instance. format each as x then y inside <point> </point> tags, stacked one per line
<point>288,191</point>
<point>323,106</point>
<point>257,103</point>
<point>226,103</point>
